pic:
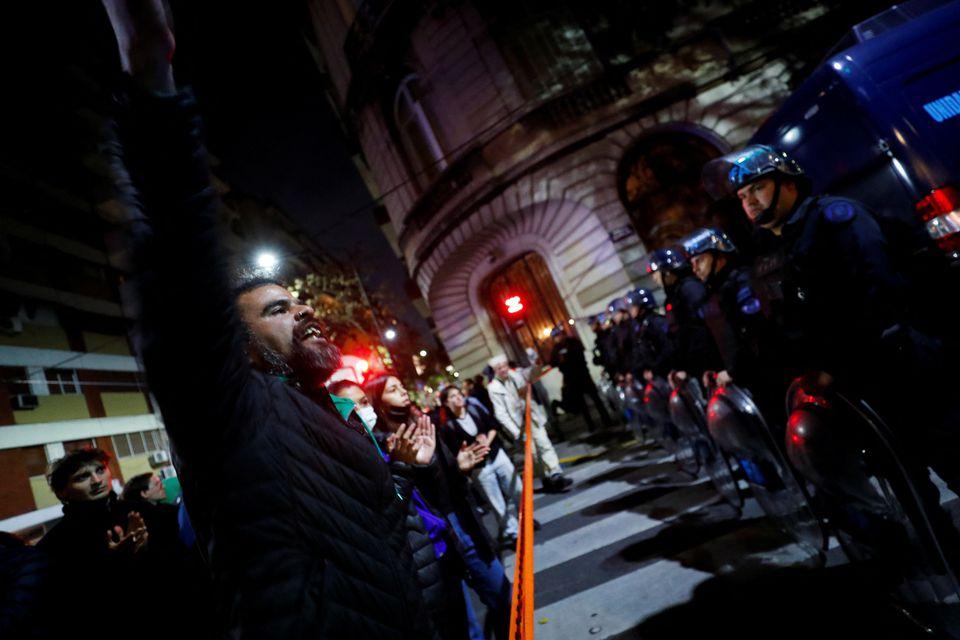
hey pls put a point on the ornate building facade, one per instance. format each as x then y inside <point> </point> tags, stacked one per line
<point>540,150</point>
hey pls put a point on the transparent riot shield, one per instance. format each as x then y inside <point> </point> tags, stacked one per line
<point>738,428</point>
<point>883,507</point>
<point>635,413</point>
<point>688,412</point>
<point>656,402</point>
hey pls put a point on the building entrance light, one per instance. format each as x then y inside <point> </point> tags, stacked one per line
<point>513,305</point>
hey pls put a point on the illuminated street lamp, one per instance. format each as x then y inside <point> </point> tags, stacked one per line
<point>390,334</point>
<point>267,260</point>
<point>423,353</point>
<point>449,368</point>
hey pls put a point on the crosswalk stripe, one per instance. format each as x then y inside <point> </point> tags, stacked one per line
<point>627,601</point>
<point>581,499</point>
<point>615,528</point>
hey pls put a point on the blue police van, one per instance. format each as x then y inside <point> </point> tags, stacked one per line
<point>879,120</point>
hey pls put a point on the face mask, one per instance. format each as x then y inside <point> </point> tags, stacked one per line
<point>368,415</point>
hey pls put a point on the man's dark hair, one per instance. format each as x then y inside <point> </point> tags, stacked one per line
<point>245,280</point>
<point>335,388</point>
<point>132,491</point>
<point>62,469</point>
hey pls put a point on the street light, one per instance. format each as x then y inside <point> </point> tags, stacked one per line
<point>449,368</point>
<point>267,260</point>
<point>423,353</point>
<point>390,334</point>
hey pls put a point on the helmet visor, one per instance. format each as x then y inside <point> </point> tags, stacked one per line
<point>723,176</point>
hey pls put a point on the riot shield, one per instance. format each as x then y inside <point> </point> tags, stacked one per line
<point>656,401</point>
<point>688,412</point>
<point>883,506</point>
<point>739,429</point>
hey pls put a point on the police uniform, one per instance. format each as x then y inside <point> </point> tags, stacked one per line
<point>732,312</point>
<point>621,347</point>
<point>829,287</point>
<point>694,350</point>
<point>652,347</point>
<point>568,356</point>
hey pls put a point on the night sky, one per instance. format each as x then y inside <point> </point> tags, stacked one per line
<point>269,123</point>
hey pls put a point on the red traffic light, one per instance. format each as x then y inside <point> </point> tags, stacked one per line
<point>513,304</point>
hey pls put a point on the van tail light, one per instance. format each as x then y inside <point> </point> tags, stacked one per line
<point>940,212</point>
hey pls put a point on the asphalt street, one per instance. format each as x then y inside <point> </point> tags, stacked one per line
<point>640,549</point>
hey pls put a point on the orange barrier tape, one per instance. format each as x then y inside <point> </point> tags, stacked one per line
<point>521,609</point>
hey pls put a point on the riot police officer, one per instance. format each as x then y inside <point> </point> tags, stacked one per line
<point>601,340</point>
<point>567,355</point>
<point>826,282</point>
<point>649,335</point>
<point>618,341</point>
<point>693,347</point>
<point>825,276</point>
<point>732,309</point>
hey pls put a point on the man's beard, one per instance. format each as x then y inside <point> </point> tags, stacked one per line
<point>309,366</point>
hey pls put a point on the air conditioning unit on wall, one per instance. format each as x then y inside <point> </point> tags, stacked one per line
<point>159,459</point>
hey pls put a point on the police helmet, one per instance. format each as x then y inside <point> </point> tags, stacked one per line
<point>707,239</point>
<point>642,298</point>
<point>723,176</point>
<point>618,304</point>
<point>670,259</point>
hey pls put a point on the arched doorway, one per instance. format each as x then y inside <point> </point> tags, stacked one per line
<point>524,305</point>
<point>659,183</point>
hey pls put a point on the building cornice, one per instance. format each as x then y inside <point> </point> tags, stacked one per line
<point>31,435</point>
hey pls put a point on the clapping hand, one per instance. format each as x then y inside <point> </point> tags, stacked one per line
<point>471,455</point>
<point>133,540</point>
<point>415,443</point>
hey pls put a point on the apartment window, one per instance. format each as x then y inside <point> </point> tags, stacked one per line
<point>121,444</point>
<point>74,445</point>
<point>420,142</point>
<point>139,443</point>
<point>63,381</point>
<point>547,51</point>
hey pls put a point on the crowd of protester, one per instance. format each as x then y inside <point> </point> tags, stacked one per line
<point>317,509</point>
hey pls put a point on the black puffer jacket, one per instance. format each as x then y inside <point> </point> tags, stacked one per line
<point>25,602</point>
<point>299,517</point>
<point>434,585</point>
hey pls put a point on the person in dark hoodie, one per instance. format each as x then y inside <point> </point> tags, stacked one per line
<point>302,526</point>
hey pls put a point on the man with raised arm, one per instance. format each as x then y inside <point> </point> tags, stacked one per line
<point>300,519</point>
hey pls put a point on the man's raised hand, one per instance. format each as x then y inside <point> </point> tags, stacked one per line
<point>144,32</point>
<point>133,540</point>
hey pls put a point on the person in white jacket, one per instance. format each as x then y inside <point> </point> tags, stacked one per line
<point>509,400</point>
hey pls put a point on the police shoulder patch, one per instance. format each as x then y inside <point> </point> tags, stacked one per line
<point>839,211</point>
